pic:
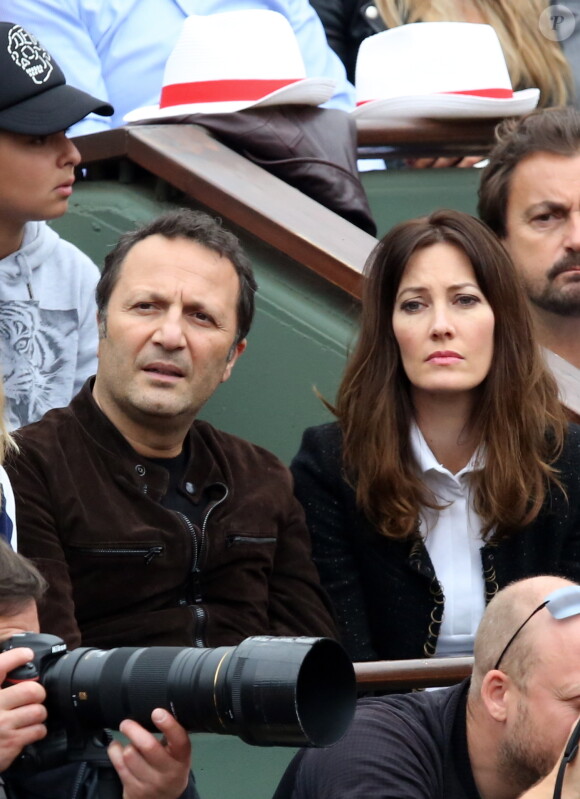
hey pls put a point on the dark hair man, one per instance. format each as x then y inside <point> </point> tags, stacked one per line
<point>530,197</point>
<point>148,769</point>
<point>498,737</point>
<point>150,526</point>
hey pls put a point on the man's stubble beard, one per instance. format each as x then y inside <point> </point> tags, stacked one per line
<point>522,760</point>
<point>561,301</point>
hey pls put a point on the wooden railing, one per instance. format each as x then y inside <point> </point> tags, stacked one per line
<point>187,157</point>
<point>425,137</point>
<point>402,675</point>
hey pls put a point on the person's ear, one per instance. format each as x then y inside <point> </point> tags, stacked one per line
<point>496,694</point>
<point>236,350</point>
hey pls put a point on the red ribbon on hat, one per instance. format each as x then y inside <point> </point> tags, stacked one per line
<point>496,94</point>
<point>217,91</point>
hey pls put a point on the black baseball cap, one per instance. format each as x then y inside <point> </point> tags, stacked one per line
<point>34,96</point>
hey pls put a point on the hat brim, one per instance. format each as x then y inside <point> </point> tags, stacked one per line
<point>448,106</point>
<point>51,111</point>
<point>309,91</point>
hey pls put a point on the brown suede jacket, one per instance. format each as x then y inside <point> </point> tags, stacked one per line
<point>125,571</point>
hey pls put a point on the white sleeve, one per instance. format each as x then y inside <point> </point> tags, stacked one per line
<point>319,58</point>
<point>8,524</point>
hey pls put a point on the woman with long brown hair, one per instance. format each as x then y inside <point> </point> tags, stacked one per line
<point>450,471</point>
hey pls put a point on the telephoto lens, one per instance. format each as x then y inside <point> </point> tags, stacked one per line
<point>267,690</point>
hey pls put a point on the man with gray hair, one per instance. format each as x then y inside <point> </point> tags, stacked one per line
<point>499,736</point>
<point>530,197</point>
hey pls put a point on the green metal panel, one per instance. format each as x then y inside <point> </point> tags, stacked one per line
<point>227,768</point>
<point>399,194</point>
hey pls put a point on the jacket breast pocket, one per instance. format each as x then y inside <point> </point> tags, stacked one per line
<point>249,540</point>
<point>245,551</point>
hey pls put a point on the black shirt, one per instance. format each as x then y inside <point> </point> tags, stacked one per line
<point>402,746</point>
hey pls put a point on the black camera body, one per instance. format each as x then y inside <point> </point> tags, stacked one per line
<point>268,690</point>
<point>46,648</point>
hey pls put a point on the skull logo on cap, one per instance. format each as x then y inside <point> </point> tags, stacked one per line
<point>26,51</point>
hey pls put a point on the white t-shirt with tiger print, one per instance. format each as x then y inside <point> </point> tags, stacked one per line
<point>48,329</point>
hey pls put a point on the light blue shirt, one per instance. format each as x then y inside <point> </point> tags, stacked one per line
<point>116,49</point>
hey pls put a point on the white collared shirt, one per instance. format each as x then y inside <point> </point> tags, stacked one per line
<point>452,537</point>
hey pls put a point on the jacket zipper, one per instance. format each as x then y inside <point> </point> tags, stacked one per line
<point>210,510</point>
<point>198,611</point>
<point>148,552</point>
<point>191,531</point>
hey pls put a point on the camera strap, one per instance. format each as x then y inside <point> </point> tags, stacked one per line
<point>570,753</point>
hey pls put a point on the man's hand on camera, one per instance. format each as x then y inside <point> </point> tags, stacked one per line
<point>21,710</point>
<point>149,768</point>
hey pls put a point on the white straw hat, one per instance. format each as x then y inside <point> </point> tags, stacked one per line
<point>231,61</point>
<point>445,70</point>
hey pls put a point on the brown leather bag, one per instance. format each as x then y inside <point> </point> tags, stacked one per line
<point>312,149</point>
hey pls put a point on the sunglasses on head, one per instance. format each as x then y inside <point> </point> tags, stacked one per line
<point>562,603</point>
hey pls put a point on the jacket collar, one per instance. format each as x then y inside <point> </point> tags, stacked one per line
<point>202,469</point>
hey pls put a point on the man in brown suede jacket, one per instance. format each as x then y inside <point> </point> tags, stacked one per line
<point>152,527</point>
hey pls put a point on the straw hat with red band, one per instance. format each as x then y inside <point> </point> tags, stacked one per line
<point>442,70</point>
<point>231,61</point>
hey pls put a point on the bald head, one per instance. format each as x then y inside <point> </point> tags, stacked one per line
<point>520,714</point>
<point>504,614</point>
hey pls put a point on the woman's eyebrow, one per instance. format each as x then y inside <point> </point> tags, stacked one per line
<point>452,287</point>
<point>414,289</point>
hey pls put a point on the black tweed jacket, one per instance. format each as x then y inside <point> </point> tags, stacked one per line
<point>387,598</point>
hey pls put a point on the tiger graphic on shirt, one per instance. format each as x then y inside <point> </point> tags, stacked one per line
<point>38,354</point>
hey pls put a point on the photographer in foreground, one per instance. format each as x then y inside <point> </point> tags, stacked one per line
<point>148,768</point>
<point>499,736</point>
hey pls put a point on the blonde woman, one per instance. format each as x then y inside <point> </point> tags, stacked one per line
<point>532,58</point>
